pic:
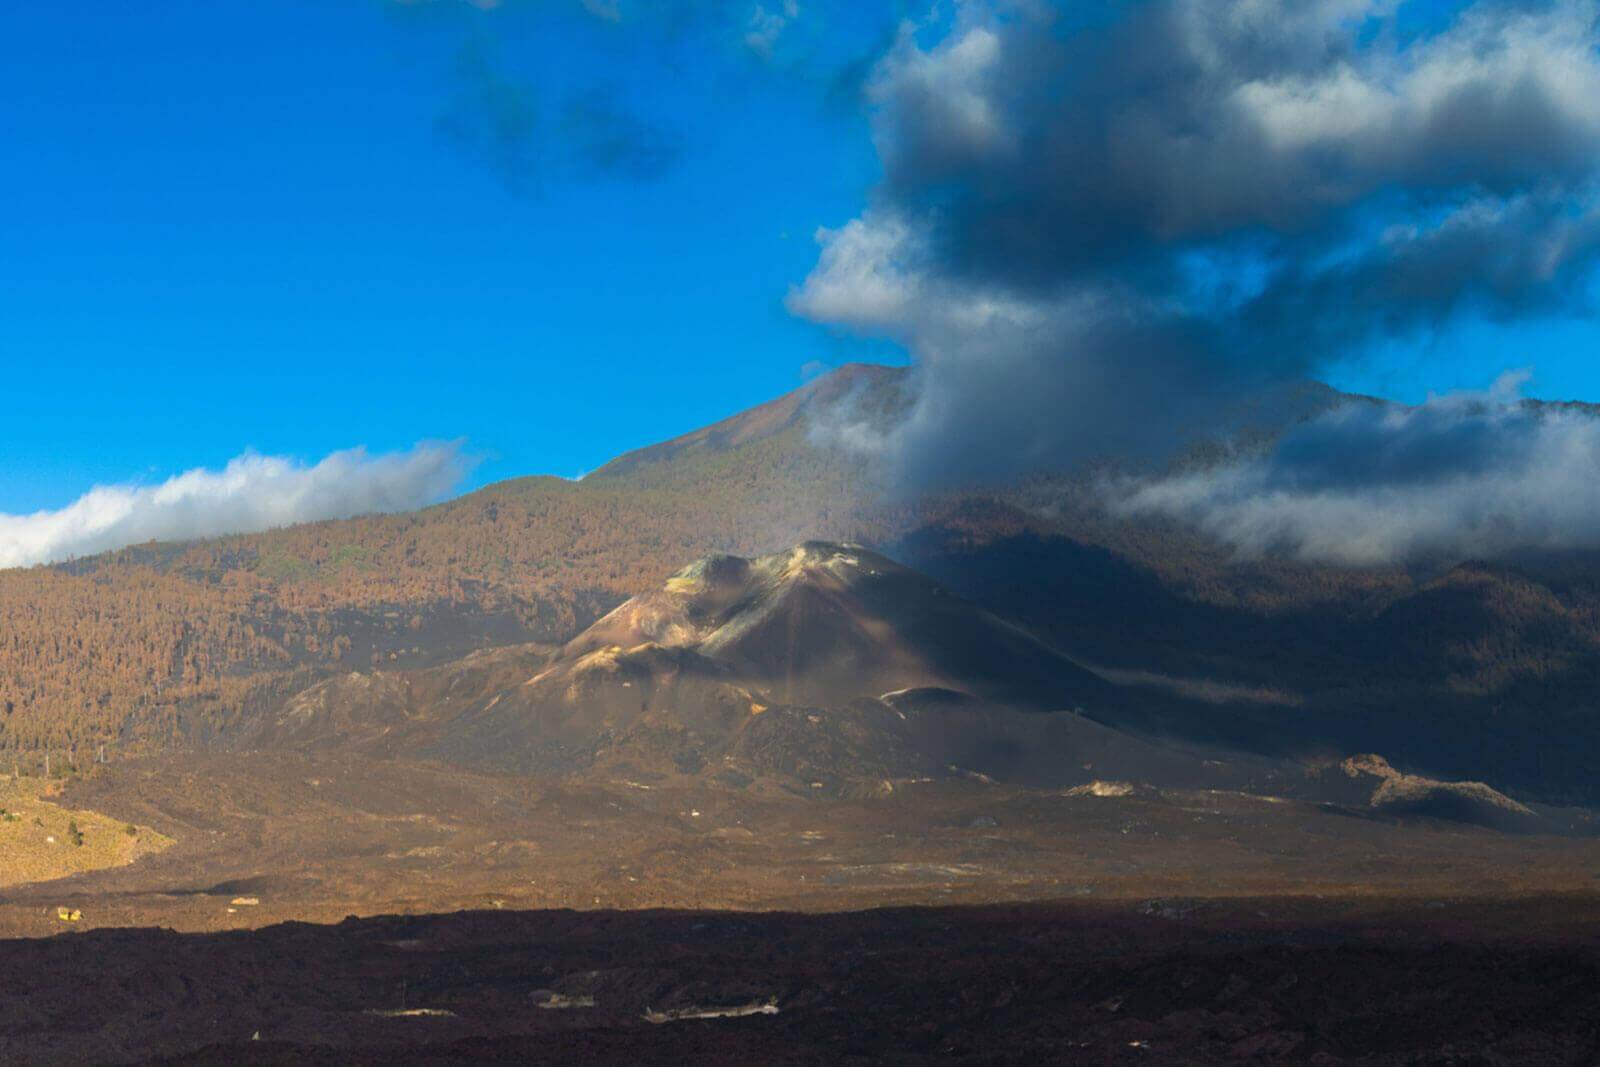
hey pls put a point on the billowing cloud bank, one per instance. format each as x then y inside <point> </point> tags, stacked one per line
<point>251,493</point>
<point>1098,224</point>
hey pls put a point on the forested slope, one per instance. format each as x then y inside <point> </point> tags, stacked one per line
<point>1464,670</point>
<point>144,644</point>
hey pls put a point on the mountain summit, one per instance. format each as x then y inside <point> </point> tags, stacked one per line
<point>823,666</point>
<point>868,387</point>
<point>826,622</point>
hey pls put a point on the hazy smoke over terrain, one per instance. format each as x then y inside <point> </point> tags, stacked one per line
<point>251,493</point>
<point>1098,224</point>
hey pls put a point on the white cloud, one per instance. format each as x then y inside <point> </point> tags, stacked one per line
<point>864,279</point>
<point>767,25</point>
<point>252,493</point>
<point>1459,476</point>
<point>1494,84</point>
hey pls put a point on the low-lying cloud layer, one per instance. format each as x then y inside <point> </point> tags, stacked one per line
<point>1457,477</point>
<point>1098,225</point>
<point>251,493</point>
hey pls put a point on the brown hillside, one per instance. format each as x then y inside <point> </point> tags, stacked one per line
<point>155,644</point>
<point>1474,673</point>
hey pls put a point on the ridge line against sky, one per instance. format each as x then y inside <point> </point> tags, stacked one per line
<point>562,229</point>
<point>437,222</point>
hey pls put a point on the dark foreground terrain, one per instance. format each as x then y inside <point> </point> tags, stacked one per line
<point>603,919</point>
<point>1166,980</point>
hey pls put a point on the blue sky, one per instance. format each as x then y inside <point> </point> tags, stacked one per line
<point>234,226</point>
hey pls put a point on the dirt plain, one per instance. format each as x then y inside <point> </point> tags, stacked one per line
<point>361,911</point>
<point>318,838</point>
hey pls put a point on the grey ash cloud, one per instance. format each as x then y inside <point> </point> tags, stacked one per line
<point>607,139</point>
<point>496,120</point>
<point>532,120</point>
<point>591,132</point>
<point>1096,225</point>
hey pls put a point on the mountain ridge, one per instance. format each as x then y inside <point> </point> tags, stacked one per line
<point>767,419</point>
<point>153,648</point>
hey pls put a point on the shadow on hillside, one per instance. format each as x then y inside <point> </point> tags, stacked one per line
<point>1406,680</point>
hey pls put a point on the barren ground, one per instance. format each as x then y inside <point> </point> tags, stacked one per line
<point>319,839</point>
<point>1371,981</point>
<point>1043,926</point>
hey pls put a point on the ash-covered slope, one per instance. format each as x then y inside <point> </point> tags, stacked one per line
<point>825,623</point>
<point>793,662</point>
<point>823,670</point>
<point>827,666</point>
